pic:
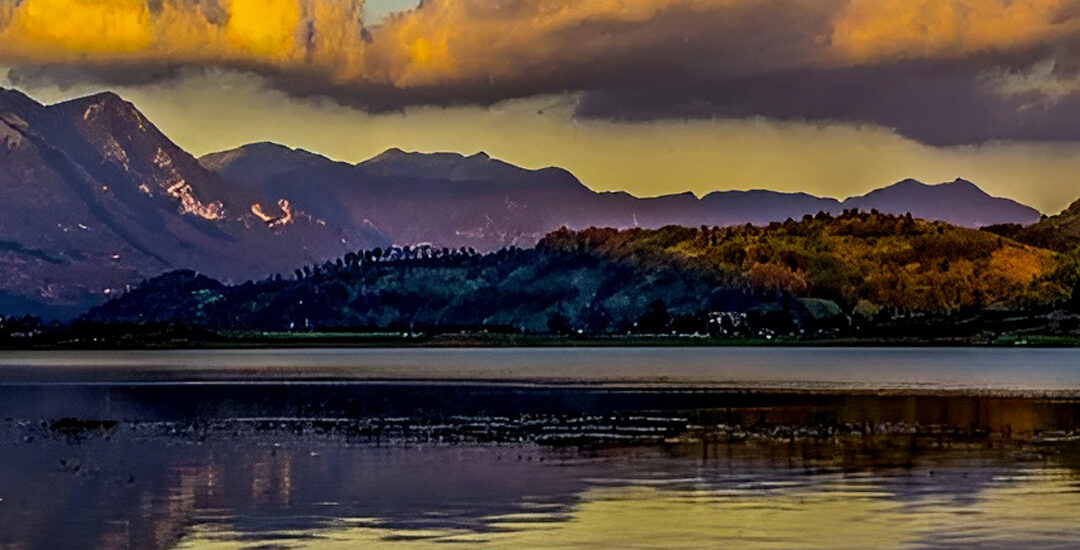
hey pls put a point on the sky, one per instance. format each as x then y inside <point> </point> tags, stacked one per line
<point>831,97</point>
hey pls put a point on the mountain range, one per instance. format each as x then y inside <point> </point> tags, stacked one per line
<point>481,202</point>
<point>94,198</point>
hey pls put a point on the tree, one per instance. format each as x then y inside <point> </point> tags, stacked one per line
<point>656,318</point>
<point>352,261</point>
<point>690,324</point>
<point>559,324</point>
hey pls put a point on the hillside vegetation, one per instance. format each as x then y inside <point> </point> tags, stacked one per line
<point>884,260</point>
<point>1060,232</point>
<point>879,274</point>
<point>513,290</point>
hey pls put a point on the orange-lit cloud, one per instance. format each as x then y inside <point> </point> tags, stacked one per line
<point>257,32</point>
<point>870,30</point>
<point>265,29</point>
<point>79,27</point>
<point>447,39</point>
<point>451,44</point>
<point>636,59</point>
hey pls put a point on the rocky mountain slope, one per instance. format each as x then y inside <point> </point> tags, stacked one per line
<point>93,198</point>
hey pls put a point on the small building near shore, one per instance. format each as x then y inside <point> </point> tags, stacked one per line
<point>818,316</point>
<point>802,316</point>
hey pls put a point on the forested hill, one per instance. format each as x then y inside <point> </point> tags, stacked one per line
<point>856,265</point>
<point>533,290</point>
<point>892,261</point>
<point>1060,232</point>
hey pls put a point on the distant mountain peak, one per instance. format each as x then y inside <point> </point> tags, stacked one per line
<point>15,99</point>
<point>914,187</point>
<point>263,149</point>
<point>100,97</point>
<point>441,165</point>
<point>909,182</point>
<point>397,154</point>
<point>270,146</point>
<point>255,162</point>
<point>96,104</point>
<point>389,154</point>
<point>912,183</point>
<point>962,183</point>
<point>960,202</point>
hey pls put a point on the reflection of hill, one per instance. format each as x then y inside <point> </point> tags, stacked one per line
<point>137,492</point>
<point>275,487</point>
<point>266,463</point>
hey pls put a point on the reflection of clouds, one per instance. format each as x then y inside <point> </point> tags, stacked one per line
<point>274,489</point>
<point>220,481</point>
<point>1039,509</point>
<point>1027,507</point>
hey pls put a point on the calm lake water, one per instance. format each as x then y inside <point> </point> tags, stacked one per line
<point>827,368</point>
<point>541,448</point>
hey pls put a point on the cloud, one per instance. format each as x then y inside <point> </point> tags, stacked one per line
<point>940,71</point>
<point>872,30</point>
<point>449,43</point>
<point>941,102</point>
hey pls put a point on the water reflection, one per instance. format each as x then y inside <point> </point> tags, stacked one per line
<point>125,489</point>
<point>413,465</point>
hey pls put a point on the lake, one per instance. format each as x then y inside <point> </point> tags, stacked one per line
<point>541,448</point>
<point>800,368</point>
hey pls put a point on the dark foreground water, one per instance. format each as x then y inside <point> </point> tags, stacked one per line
<point>541,449</point>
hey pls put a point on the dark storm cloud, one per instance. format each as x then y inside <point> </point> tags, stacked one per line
<point>938,102</point>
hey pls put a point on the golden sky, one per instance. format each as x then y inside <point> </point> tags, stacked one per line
<point>831,97</point>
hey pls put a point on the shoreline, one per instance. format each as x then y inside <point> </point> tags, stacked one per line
<point>315,340</point>
<point>629,387</point>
